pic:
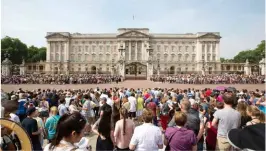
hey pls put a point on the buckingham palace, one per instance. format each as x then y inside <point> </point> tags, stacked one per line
<point>133,52</point>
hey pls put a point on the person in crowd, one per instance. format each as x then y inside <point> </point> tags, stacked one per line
<point>125,103</point>
<point>44,109</point>
<point>115,115</point>
<point>69,130</point>
<point>86,109</point>
<point>123,132</point>
<point>62,107</point>
<point>22,108</point>
<point>146,136</point>
<point>211,132</point>
<point>51,123</point>
<point>242,109</point>
<point>40,124</point>
<point>256,115</point>
<point>261,103</point>
<point>72,107</point>
<point>140,104</point>
<point>165,109</point>
<point>31,126</point>
<point>102,128</point>
<point>152,106</point>
<point>179,137</point>
<point>96,99</point>
<point>133,106</point>
<point>226,119</point>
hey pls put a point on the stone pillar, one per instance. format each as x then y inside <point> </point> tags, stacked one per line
<point>136,50</point>
<point>262,66</point>
<point>142,51</point>
<point>217,51</point>
<point>129,50</point>
<point>48,51</point>
<point>247,69</point>
<point>149,70</point>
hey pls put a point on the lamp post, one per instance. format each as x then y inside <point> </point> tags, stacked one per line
<point>158,67</point>
<point>113,67</point>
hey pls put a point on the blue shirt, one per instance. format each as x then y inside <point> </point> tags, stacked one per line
<point>21,109</point>
<point>50,125</point>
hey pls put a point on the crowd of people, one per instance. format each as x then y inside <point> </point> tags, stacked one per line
<point>210,79</point>
<point>60,79</point>
<point>138,119</point>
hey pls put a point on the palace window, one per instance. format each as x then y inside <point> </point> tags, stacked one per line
<point>203,47</point>
<point>80,48</point>
<point>100,57</point>
<point>193,48</point>
<point>186,48</point>
<point>56,47</point>
<point>93,57</point>
<point>165,57</point>
<point>208,58</point>
<point>87,48</point>
<point>52,57</point>
<point>213,47</point>
<point>172,57</point>
<point>62,48</point>
<point>79,58</point>
<point>159,56</point>
<point>208,48</point>
<point>203,57</point>
<point>213,57</point>
<point>56,57</point>
<point>158,48</point>
<point>165,49</point>
<point>62,57</point>
<point>179,57</point>
<point>173,48</point>
<point>86,57</point>
<point>107,57</point>
<point>179,48</point>
<point>193,58</point>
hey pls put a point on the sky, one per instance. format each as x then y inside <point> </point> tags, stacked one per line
<point>241,23</point>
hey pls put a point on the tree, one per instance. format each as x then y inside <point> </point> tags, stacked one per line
<point>15,48</point>
<point>18,51</point>
<point>254,56</point>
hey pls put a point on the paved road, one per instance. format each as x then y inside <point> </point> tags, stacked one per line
<point>128,84</point>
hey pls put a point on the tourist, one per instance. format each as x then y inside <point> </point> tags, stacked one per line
<point>256,115</point>
<point>103,129</point>
<point>140,104</point>
<point>164,116</point>
<point>72,107</point>
<point>211,132</point>
<point>44,106</point>
<point>40,124</point>
<point>51,122</point>
<point>31,127</point>
<point>69,130</point>
<point>146,136</point>
<point>22,108</point>
<point>86,109</point>
<point>133,106</point>
<point>242,109</point>
<point>179,137</point>
<point>124,129</point>
<point>226,119</point>
<point>62,108</point>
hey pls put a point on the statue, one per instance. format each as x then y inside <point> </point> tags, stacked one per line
<point>247,62</point>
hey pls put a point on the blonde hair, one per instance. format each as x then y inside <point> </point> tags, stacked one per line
<point>53,110</point>
<point>254,111</point>
<point>147,115</point>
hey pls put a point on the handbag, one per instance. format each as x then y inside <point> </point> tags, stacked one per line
<point>167,148</point>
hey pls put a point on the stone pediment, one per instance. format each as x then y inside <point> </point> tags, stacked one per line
<point>56,35</point>
<point>133,34</point>
<point>210,36</point>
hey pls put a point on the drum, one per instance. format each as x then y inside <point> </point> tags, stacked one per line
<point>21,133</point>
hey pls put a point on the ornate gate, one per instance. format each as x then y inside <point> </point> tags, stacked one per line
<point>135,71</point>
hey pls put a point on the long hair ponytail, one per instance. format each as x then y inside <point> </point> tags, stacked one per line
<point>124,114</point>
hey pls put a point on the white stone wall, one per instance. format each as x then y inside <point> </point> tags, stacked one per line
<point>83,51</point>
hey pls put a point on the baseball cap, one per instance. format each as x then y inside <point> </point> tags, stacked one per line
<point>251,137</point>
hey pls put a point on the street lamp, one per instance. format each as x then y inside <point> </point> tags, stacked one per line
<point>158,67</point>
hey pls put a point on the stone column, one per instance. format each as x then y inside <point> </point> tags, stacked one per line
<point>217,51</point>
<point>129,50</point>
<point>59,47</point>
<point>136,50</point>
<point>66,52</point>
<point>48,51</point>
<point>142,51</point>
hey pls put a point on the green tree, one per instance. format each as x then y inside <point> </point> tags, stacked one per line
<point>254,56</point>
<point>18,51</point>
<point>15,48</point>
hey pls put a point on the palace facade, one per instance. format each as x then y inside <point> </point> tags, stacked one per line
<point>133,52</point>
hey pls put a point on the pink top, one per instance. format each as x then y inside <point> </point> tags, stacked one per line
<point>122,141</point>
<point>219,98</point>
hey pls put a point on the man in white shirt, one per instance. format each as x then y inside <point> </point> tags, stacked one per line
<point>146,136</point>
<point>68,98</point>
<point>133,103</point>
